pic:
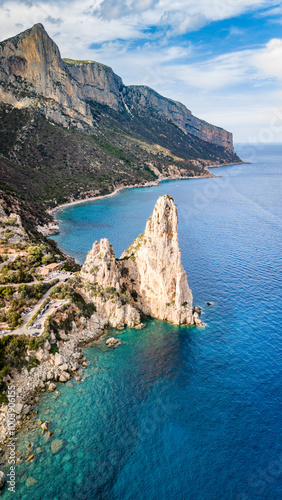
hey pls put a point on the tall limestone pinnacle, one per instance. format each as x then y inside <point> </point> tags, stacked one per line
<point>148,279</point>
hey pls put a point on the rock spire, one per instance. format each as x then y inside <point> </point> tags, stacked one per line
<point>148,279</point>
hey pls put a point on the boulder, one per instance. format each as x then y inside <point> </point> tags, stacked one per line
<point>64,367</point>
<point>64,377</point>
<point>45,426</point>
<point>59,360</point>
<point>112,342</point>
<point>18,408</point>
<point>141,326</point>
<point>51,386</point>
<point>197,309</point>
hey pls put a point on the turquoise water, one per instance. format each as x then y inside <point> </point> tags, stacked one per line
<point>180,413</point>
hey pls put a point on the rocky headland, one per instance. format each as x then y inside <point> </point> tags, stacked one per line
<point>31,67</point>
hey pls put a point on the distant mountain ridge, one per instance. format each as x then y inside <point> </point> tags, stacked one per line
<point>30,63</point>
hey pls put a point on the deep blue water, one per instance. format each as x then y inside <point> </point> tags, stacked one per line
<point>180,413</point>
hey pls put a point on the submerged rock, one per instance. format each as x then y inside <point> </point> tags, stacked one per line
<point>56,446</point>
<point>31,481</point>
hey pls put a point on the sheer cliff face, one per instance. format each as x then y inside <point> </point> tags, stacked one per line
<point>31,68</point>
<point>149,277</point>
<point>98,82</point>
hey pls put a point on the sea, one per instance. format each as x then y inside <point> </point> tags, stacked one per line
<point>178,413</point>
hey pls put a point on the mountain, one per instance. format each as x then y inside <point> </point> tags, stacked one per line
<point>71,129</point>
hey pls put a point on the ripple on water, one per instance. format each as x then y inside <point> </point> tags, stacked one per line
<point>178,413</point>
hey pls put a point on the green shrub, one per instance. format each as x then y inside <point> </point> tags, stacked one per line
<point>54,349</point>
<point>71,266</point>
<point>110,289</point>
<point>35,343</point>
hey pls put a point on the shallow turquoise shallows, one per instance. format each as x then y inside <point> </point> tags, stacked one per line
<point>179,413</point>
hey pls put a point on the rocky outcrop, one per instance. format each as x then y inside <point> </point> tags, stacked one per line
<point>32,73</point>
<point>98,83</point>
<point>49,229</point>
<point>11,228</point>
<point>148,279</point>
<point>105,286</point>
<point>112,342</point>
<point>31,67</point>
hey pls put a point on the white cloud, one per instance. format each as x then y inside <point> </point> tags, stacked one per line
<point>93,21</point>
<point>112,9</point>
<point>181,23</point>
<point>269,59</point>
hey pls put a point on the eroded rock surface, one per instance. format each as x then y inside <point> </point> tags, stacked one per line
<point>148,279</point>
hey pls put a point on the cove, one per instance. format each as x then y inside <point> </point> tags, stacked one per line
<point>175,412</point>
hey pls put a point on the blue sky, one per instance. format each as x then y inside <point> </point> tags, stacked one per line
<point>221,58</point>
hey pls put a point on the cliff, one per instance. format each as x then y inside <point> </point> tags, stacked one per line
<point>148,279</point>
<point>71,130</point>
<point>31,66</point>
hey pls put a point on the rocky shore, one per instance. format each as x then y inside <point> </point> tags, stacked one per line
<point>53,368</point>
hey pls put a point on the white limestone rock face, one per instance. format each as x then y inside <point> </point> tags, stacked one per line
<point>148,279</point>
<point>101,271</point>
<point>154,260</point>
<point>101,265</point>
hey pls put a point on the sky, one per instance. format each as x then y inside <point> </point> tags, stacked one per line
<point>221,58</point>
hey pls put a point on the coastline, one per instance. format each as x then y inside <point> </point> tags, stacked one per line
<point>28,399</point>
<point>53,211</point>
